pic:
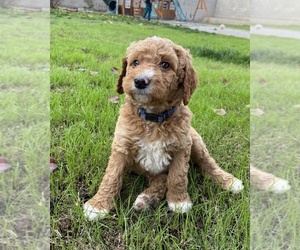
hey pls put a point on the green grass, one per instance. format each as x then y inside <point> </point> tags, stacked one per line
<point>24,131</point>
<point>82,127</point>
<point>275,141</point>
<point>271,51</point>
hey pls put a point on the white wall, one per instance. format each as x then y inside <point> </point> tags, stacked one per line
<point>98,5</point>
<point>272,11</point>
<point>189,7</point>
<point>39,4</point>
<point>233,9</point>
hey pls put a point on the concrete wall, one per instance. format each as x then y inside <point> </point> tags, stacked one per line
<point>36,4</point>
<point>97,5</point>
<point>73,3</point>
<point>189,7</point>
<point>233,9</point>
<point>276,11</point>
<point>236,10</point>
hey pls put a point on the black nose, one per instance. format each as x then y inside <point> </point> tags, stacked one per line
<point>141,83</point>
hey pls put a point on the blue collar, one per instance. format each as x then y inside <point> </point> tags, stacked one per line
<point>154,117</point>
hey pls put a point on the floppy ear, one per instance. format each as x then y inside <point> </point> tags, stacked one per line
<point>120,89</point>
<point>188,77</point>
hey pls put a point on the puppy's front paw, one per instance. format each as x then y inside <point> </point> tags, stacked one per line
<point>144,202</point>
<point>93,213</point>
<point>236,186</point>
<point>180,207</point>
<point>280,186</point>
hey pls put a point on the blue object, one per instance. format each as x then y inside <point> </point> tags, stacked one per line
<point>156,117</point>
<point>112,6</point>
<point>179,11</point>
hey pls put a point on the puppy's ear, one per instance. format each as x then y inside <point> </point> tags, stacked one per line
<point>188,77</point>
<point>190,80</point>
<point>120,89</point>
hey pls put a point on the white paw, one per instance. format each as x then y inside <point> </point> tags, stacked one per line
<point>181,207</point>
<point>280,186</point>
<point>93,213</point>
<point>141,202</point>
<point>236,186</point>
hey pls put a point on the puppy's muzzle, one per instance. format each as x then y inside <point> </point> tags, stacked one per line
<point>141,83</point>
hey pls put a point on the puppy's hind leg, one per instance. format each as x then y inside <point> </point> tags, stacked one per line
<point>200,156</point>
<point>153,194</point>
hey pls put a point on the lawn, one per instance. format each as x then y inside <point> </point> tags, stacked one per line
<point>84,49</point>
<point>275,140</point>
<point>25,129</point>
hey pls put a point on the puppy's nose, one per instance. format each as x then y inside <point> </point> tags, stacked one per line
<point>141,83</point>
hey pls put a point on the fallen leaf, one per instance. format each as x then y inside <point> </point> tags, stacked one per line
<point>114,99</point>
<point>93,73</point>
<point>45,68</point>
<point>224,81</point>
<point>114,70</point>
<point>84,49</point>
<point>81,68</point>
<point>4,165</point>
<point>257,112</point>
<point>220,111</point>
<point>262,81</point>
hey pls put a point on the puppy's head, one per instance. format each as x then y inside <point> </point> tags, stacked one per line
<point>156,71</point>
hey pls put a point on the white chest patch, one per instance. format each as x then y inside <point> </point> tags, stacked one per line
<point>153,156</point>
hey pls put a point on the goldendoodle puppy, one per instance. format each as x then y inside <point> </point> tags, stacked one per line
<point>153,135</point>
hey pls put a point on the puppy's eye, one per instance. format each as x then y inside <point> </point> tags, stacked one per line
<point>165,65</point>
<point>135,63</point>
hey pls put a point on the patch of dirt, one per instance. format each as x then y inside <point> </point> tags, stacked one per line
<point>13,89</point>
<point>114,240</point>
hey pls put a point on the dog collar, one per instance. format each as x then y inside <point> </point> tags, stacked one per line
<point>154,117</point>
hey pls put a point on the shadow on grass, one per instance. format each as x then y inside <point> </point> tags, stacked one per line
<point>224,55</point>
<point>274,56</point>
